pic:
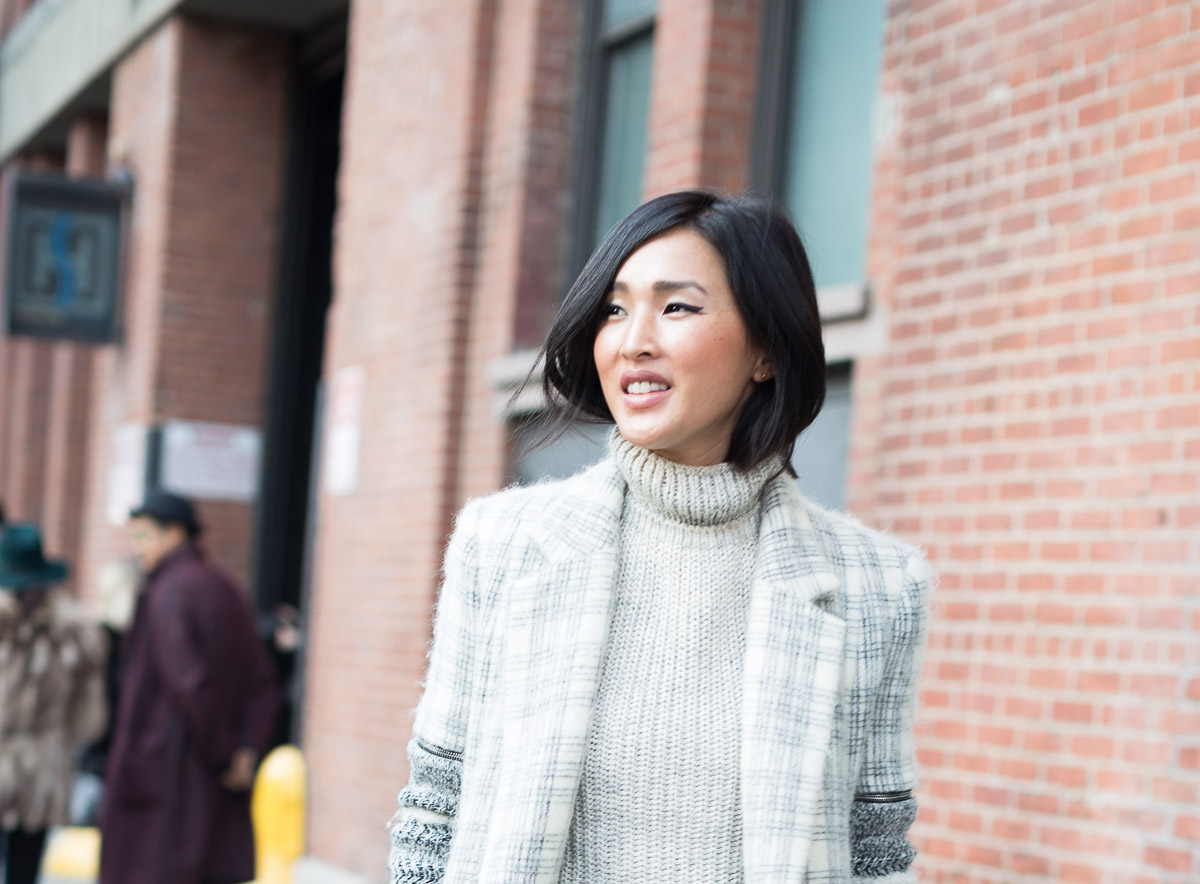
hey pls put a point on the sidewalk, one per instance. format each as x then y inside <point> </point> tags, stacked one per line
<point>71,859</point>
<point>310,870</point>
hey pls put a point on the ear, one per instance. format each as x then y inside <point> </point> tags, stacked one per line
<point>763,370</point>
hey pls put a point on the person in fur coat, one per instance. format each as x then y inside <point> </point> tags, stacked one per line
<point>51,697</point>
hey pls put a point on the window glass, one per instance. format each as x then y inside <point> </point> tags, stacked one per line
<point>619,12</point>
<point>821,452</point>
<point>578,447</point>
<point>623,146</point>
<point>836,58</point>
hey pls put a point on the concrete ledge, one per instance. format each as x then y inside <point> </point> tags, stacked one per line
<point>56,51</point>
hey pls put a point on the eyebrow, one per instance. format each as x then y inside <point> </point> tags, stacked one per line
<point>665,286</point>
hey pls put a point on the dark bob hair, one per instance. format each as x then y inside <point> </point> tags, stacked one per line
<point>772,284</point>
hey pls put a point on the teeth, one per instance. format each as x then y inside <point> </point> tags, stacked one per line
<point>646,387</point>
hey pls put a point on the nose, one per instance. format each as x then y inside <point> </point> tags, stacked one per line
<point>641,335</point>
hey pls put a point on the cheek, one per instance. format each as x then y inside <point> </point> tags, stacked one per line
<point>724,357</point>
<point>603,351</point>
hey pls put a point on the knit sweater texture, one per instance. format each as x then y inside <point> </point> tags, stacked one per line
<point>658,800</point>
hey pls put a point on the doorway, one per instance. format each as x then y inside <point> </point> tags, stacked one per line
<point>286,510</point>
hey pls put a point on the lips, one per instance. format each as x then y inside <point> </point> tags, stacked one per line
<point>642,390</point>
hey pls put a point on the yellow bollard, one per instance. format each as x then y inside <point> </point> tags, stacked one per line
<point>72,854</point>
<point>277,807</point>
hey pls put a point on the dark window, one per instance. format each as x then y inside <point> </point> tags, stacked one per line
<point>580,446</point>
<point>617,102</point>
<point>821,451</point>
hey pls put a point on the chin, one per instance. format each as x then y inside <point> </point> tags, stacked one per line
<point>642,438</point>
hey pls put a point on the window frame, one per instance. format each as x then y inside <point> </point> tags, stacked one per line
<point>599,45</point>
<point>776,73</point>
<point>770,150</point>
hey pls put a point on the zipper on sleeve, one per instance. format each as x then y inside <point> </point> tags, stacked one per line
<point>448,754</point>
<point>883,797</point>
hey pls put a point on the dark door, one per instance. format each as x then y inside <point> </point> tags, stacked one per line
<point>302,301</point>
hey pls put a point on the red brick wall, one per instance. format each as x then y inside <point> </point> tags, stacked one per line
<point>523,217</point>
<point>704,83</point>
<point>25,398</point>
<point>43,387</point>
<point>68,403</point>
<point>140,137</point>
<point>219,277</point>
<point>87,146</point>
<point>404,265</point>
<point>64,447</point>
<point>197,116</point>
<point>25,406</point>
<point>1035,424</point>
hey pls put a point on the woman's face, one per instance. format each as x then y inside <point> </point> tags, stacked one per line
<point>675,360</point>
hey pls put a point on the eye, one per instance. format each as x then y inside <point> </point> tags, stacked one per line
<point>678,307</point>
<point>611,310</point>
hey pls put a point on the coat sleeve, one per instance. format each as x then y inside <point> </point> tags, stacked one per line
<point>262,694</point>
<point>884,805</point>
<point>187,673</point>
<point>422,828</point>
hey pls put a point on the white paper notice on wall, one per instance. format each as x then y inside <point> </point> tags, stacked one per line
<point>126,473</point>
<point>210,461</point>
<point>344,437</point>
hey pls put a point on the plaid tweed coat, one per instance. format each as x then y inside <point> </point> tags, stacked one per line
<point>835,632</point>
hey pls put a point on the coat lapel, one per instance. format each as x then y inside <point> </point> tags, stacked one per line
<point>556,626</point>
<point>794,643</point>
<point>555,630</point>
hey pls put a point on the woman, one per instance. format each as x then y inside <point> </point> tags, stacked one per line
<point>672,667</point>
<point>51,698</point>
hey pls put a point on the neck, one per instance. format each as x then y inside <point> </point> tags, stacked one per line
<point>694,494</point>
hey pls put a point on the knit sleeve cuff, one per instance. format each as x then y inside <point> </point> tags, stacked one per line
<point>423,826</point>
<point>879,847</point>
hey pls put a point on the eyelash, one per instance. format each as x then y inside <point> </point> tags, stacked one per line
<point>673,307</point>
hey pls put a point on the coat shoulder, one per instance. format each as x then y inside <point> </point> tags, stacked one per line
<point>197,581</point>
<point>75,625</point>
<point>553,503</point>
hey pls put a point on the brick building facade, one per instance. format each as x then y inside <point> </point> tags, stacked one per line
<point>1018,369</point>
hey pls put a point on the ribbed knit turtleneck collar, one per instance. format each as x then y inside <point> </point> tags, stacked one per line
<point>693,495</point>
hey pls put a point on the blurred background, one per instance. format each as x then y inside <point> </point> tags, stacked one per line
<point>293,257</point>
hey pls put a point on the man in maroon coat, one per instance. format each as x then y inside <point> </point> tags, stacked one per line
<point>196,711</point>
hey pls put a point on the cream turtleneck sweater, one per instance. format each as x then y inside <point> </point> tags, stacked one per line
<point>658,800</point>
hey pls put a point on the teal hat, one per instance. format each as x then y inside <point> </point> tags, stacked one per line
<point>22,564</point>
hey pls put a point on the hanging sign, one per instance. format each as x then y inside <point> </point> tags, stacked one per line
<point>62,256</point>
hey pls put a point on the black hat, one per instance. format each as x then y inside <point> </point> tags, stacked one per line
<point>165,507</point>
<point>22,564</point>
